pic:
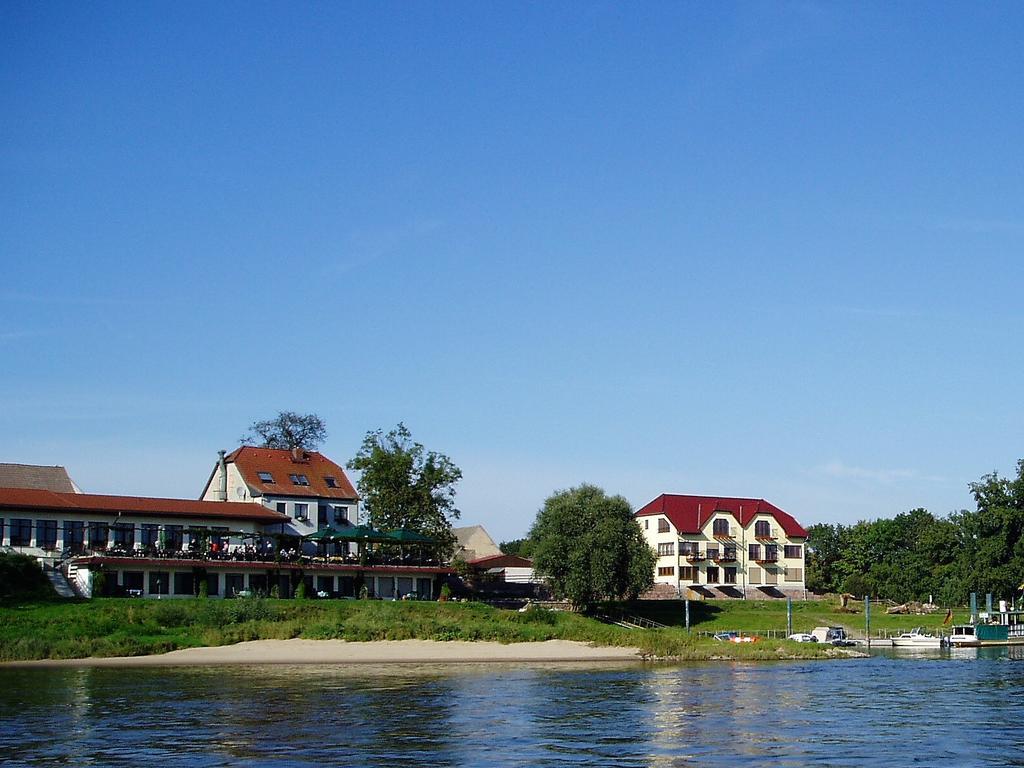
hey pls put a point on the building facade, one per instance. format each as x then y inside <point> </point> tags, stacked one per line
<point>244,536</point>
<point>719,547</point>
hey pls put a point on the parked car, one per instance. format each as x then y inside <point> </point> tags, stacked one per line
<point>803,637</point>
<point>735,637</point>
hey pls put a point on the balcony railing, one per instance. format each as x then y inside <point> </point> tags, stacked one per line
<point>728,533</point>
<point>695,557</point>
<point>768,535</point>
<point>766,559</point>
<point>726,557</point>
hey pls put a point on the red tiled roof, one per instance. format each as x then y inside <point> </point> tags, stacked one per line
<point>281,464</point>
<point>135,506</point>
<point>689,514</point>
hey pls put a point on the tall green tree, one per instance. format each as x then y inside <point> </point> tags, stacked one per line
<point>403,485</point>
<point>521,547</point>
<point>287,430</point>
<point>590,548</point>
<point>992,558</point>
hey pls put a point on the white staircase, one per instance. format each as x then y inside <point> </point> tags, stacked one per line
<point>60,582</point>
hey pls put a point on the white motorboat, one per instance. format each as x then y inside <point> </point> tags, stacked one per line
<point>918,639</point>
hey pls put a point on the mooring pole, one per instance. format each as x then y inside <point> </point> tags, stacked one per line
<point>974,607</point>
<point>988,603</point>
<point>789,616</point>
<point>687,601</point>
<point>867,619</point>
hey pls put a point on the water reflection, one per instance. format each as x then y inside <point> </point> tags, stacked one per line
<point>956,707</point>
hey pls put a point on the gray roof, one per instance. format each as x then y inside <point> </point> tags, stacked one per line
<point>40,478</point>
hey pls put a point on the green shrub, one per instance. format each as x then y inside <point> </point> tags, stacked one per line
<point>21,576</point>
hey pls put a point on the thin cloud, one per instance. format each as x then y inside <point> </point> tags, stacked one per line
<point>837,468</point>
<point>368,247</point>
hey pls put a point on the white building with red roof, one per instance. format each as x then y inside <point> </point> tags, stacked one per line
<point>714,546</point>
<point>244,536</point>
<point>308,488</point>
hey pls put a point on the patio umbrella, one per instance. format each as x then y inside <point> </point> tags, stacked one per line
<point>409,536</point>
<point>362,533</point>
<point>324,534</point>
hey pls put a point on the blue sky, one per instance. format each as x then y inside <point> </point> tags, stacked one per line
<point>753,249</point>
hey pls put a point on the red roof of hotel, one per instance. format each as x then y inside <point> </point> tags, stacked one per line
<point>135,506</point>
<point>281,464</point>
<point>689,514</point>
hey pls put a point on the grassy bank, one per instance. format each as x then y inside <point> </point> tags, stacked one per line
<point>755,616</point>
<point>57,629</point>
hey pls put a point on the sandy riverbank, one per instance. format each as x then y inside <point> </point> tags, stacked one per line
<point>342,652</point>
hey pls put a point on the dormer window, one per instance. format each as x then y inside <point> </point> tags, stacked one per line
<point>299,479</point>
<point>265,477</point>
<point>331,482</point>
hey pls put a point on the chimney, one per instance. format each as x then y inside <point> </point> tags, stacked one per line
<point>298,454</point>
<point>222,494</point>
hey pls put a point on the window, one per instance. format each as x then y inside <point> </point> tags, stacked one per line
<point>150,534</point>
<point>132,581</point>
<point>647,524</point>
<point>755,575</point>
<point>667,571</point>
<point>233,584</point>
<point>666,550</point>
<point>184,583</point>
<point>321,515</point>
<point>124,535</point>
<point>74,535</point>
<point>265,477</point>
<point>729,575</point>
<point>712,553</point>
<point>662,525</point>
<point>174,537</point>
<point>301,511</point>
<point>21,533</point>
<point>158,582</point>
<point>325,584</point>
<point>341,514</point>
<point>720,527</point>
<point>753,551</point>
<point>1,530</point>
<point>299,479</point>
<point>770,576</point>
<point>729,553</point>
<point>794,574</point>
<point>688,548</point>
<point>213,584</point>
<point>794,551</point>
<point>219,536</point>
<point>763,529</point>
<point>771,552</point>
<point>282,507</point>
<point>712,575</point>
<point>46,534</point>
<point>331,482</point>
<point>688,573</point>
<point>98,535</point>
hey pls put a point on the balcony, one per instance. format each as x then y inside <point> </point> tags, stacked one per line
<point>766,559</point>
<point>724,535</point>
<point>695,557</point>
<point>726,557</point>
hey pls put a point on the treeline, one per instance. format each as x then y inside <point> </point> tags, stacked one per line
<point>916,555</point>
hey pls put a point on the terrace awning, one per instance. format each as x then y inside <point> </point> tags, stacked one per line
<point>408,536</point>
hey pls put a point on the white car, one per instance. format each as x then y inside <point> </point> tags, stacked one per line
<point>803,637</point>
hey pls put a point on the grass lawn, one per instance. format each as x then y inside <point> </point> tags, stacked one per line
<point>755,616</point>
<point>59,629</point>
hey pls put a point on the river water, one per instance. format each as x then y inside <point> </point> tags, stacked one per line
<point>959,708</point>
